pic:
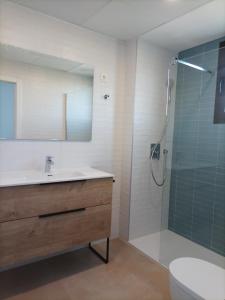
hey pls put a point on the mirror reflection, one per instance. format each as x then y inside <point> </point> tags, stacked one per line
<point>44,97</point>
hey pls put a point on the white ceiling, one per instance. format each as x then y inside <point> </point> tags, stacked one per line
<point>123,19</point>
<point>201,25</point>
<point>44,60</point>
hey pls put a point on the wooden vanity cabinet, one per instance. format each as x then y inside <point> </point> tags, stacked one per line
<point>40,220</point>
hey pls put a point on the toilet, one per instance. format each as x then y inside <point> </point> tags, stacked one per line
<point>196,279</point>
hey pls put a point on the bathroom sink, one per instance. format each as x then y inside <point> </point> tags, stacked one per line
<point>19,176</point>
<point>65,174</point>
<point>39,177</point>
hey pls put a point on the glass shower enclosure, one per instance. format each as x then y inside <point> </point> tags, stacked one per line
<point>193,205</point>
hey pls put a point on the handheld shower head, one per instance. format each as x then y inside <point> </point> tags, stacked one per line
<point>170,83</point>
<point>169,87</point>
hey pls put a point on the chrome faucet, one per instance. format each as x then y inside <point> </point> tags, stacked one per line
<point>48,164</point>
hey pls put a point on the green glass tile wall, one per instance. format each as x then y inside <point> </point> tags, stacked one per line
<point>197,193</point>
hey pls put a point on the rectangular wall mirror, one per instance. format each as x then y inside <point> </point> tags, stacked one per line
<point>44,97</point>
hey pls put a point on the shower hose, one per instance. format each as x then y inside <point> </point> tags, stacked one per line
<point>163,134</point>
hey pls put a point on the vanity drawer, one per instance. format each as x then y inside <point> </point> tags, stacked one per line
<point>24,239</point>
<point>33,200</point>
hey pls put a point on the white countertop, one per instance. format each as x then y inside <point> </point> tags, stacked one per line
<point>61,175</point>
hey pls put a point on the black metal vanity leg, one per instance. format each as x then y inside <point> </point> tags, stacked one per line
<point>104,259</point>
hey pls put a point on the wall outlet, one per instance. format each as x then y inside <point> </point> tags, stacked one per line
<point>103,77</point>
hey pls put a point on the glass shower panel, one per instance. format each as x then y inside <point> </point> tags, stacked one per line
<point>193,212</point>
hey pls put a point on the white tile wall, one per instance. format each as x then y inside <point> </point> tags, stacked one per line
<point>133,115</point>
<point>149,116</point>
<point>33,31</point>
<point>130,59</point>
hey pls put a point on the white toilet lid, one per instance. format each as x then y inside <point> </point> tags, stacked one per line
<point>199,277</point>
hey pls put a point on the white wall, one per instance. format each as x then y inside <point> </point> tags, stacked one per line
<point>127,136</point>
<point>33,31</point>
<point>133,115</point>
<point>149,116</point>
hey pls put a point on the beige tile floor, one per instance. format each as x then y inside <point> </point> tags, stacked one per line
<point>81,275</point>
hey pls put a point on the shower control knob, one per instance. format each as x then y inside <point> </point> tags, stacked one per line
<point>106,96</point>
<point>165,151</point>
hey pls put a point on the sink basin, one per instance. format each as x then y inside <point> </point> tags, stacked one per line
<point>19,176</point>
<point>13,178</point>
<point>65,174</point>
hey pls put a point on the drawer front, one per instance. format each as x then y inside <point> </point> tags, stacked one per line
<point>33,200</point>
<point>24,239</point>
